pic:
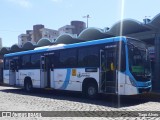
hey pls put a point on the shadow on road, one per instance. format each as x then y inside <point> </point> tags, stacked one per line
<point>102,100</point>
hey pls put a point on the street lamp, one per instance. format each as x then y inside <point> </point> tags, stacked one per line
<point>87,16</point>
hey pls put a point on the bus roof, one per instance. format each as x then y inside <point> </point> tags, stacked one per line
<point>65,46</point>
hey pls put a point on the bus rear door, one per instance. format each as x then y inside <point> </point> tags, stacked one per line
<point>46,71</point>
<point>13,72</point>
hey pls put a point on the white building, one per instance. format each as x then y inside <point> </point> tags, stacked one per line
<point>67,29</point>
<point>22,39</point>
<point>49,33</point>
<point>30,35</point>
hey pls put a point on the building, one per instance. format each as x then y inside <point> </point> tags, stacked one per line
<point>49,33</point>
<point>79,26</point>
<point>37,35</point>
<point>67,29</point>
<point>39,31</point>
<point>30,35</point>
<point>74,29</point>
<point>22,39</point>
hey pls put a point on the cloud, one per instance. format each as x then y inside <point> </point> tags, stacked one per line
<point>22,3</point>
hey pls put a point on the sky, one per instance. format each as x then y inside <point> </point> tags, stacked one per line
<point>17,16</point>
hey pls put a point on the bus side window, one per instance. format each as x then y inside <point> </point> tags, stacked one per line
<point>26,63</point>
<point>88,57</point>
<point>68,58</point>
<point>35,61</point>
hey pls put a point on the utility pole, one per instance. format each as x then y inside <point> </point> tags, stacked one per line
<point>87,17</point>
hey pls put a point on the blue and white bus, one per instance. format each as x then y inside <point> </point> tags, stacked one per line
<point>117,65</point>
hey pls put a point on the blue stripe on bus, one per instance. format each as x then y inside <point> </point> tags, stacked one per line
<point>66,82</point>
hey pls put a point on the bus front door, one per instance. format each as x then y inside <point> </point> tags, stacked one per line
<point>107,72</point>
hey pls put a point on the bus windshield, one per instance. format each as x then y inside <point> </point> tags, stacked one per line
<point>138,61</point>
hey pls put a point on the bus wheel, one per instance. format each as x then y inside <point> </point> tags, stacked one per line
<point>28,86</point>
<point>91,91</point>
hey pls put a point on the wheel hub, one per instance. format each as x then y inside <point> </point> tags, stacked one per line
<point>91,90</point>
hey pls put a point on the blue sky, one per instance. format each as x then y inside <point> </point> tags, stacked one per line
<point>17,16</point>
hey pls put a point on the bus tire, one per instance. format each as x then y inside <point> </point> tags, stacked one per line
<point>28,86</point>
<point>90,91</point>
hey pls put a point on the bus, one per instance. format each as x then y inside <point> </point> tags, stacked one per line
<point>117,65</point>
